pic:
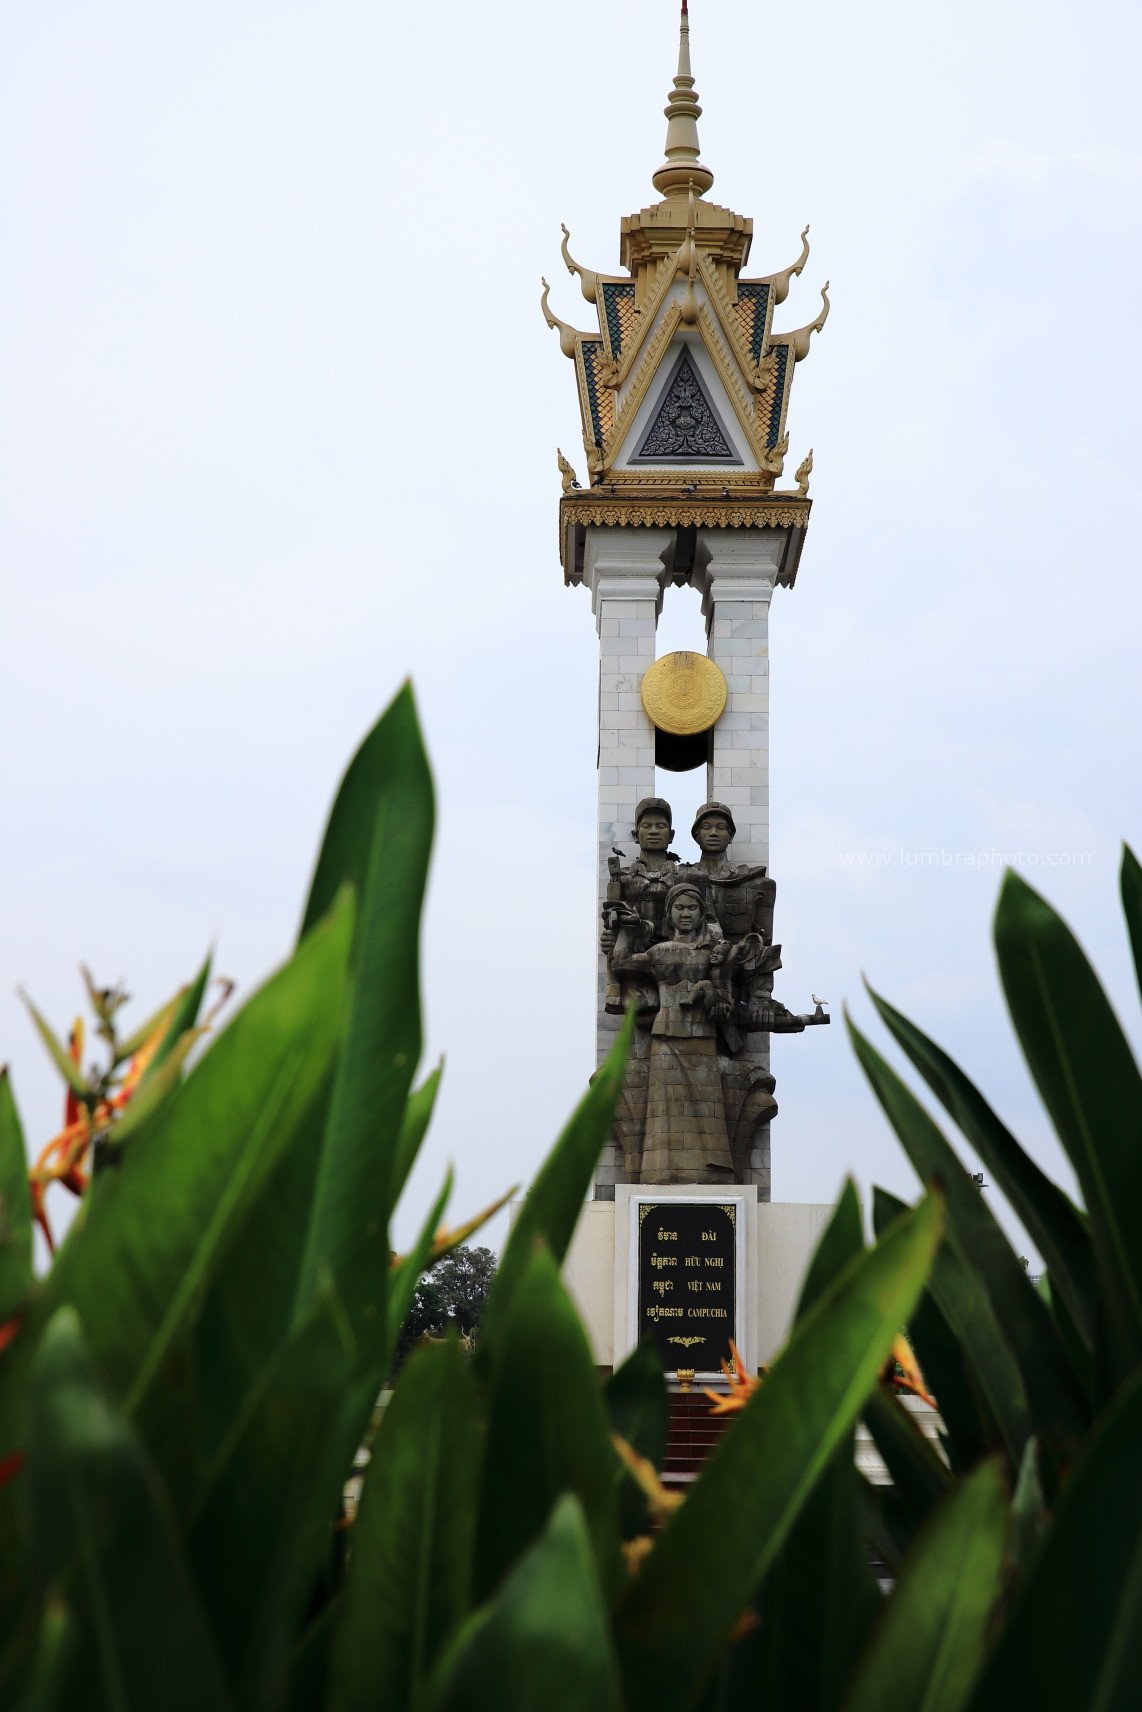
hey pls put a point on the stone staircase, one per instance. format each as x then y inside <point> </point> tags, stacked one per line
<point>694,1432</point>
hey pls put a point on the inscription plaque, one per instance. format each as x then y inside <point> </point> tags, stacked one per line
<point>687,1281</point>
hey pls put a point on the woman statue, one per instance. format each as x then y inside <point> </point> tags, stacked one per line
<point>685,1138</point>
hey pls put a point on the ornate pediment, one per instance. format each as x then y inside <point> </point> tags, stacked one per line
<point>684,329</point>
<point>685,427</point>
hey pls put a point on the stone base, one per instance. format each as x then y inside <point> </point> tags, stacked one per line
<point>777,1239</point>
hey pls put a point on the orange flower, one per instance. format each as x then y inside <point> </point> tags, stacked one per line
<point>742,1385</point>
<point>903,1371</point>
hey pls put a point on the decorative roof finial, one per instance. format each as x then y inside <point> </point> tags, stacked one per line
<point>682,167</point>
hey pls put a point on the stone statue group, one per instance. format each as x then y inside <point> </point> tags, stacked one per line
<point>691,945</point>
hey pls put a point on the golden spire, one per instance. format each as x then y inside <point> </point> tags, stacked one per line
<point>682,167</point>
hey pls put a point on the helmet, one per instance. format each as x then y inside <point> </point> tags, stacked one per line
<point>653,805</point>
<point>708,809</point>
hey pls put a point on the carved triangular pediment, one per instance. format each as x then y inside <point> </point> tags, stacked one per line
<point>684,426</point>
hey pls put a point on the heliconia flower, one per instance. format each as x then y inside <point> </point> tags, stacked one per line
<point>75,1053</point>
<point>903,1371</point>
<point>10,1466</point>
<point>645,1476</point>
<point>449,1237</point>
<point>8,1330</point>
<point>742,1385</point>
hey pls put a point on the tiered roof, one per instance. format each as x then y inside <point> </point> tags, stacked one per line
<point>684,388</point>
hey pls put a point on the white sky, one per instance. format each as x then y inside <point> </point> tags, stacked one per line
<point>279,427</point>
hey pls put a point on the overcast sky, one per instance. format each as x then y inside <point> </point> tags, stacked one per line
<point>279,427</point>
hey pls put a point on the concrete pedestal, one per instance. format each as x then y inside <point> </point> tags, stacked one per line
<point>775,1241</point>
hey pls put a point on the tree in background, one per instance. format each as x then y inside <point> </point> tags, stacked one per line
<point>450,1296</point>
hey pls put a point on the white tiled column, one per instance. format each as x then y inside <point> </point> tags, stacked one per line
<point>737,586</point>
<point>737,582</point>
<point>624,571</point>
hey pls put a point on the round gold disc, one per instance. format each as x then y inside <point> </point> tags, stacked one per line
<point>684,693</point>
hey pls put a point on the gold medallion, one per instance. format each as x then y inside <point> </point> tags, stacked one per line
<point>684,694</point>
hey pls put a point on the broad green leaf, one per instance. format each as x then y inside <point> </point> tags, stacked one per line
<point>154,1088</point>
<point>414,1126</point>
<point>1089,1083</point>
<point>270,1501</point>
<point>137,1277</point>
<point>245,1311</point>
<point>547,1431</point>
<point>919,1476</point>
<point>54,1658</point>
<point>840,1242</point>
<point>98,1522</point>
<point>1029,1518</point>
<point>1073,1638</point>
<point>714,1550</point>
<point>964,1307</point>
<point>555,1200</point>
<point>183,1018</point>
<point>987,1264</point>
<point>638,1410</point>
<point>71,1072</point>
<point>310,1662</point>
<point>15,1207</point>
<point>379,838</point>
<point>820,1597</point>
<point>407,1273</point>
<point>411,1562</point>
<point>1051,1219</point>
<point>543,1644</point>
<point>928,1648</point>
<point>346,853</point>
<point>139,1037</point>
<point>1130,881</point>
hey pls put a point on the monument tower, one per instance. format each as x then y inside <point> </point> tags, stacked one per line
<point>684,393</point>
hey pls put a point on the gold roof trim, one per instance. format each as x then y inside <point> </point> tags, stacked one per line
<point>626,510</point>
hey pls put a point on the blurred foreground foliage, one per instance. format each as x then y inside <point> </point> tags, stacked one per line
<point>183,1396</point>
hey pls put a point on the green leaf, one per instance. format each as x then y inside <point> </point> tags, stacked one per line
<point>1130,881</point>
<point>1029,1518</point>
<point>264,1522</point>
<point>927,1650</point>
<point>543,1644</point>
<point>820,1597</point>
<point>346,853</point>
<point>71,1072</point>
<point>139,1278</point>
<point>919,1477</point>
<point>964,1307</point>
<point>414,1126</point>
<point>841,1241</point>
<point>379,837</point>
<point>411,1561</point>
<point>1073,1638</point>
<point>547,1432</point>
<point>715,1549</point>
<point>988,1267</point>
<point>638,1410</point>
<point>554,1201</point>
<point>154,1088</point>
<point>183,1018</point>
<point>98,1521</point>
<point>54,1659</point>
<point>1089,1083</point>
<point>15,1207</point>
<point>1051,1219</point>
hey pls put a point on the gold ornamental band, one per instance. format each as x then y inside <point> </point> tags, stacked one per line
<point>684,694</point>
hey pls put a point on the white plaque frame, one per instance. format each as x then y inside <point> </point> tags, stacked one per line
<point>628,1199</point>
